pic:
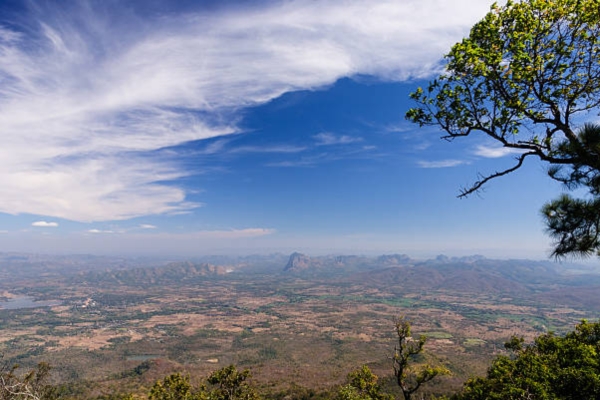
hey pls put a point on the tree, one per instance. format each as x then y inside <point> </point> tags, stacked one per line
<point>227,384</point>
<point>362,385</point>
<point>231,384</point>
<point>408,378</point>
<point>552,367</point>
<point>29,386</point>
<point>176,387</point>
<point>528,76</point>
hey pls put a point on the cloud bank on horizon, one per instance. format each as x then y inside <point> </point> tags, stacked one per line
<point>90,95</point>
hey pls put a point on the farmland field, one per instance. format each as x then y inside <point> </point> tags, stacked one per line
<point>120,328</point>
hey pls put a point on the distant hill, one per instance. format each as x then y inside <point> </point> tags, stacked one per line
<point>544,280</point>
<point>453,277</point>
<point>170,273</point>
<point>26,267</point>
<point>301,264</point>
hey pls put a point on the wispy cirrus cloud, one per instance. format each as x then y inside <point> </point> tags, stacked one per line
<point>233,233</point>
<point>328,139</point>
<point>312,160</point>
<point>494,152</point>
<point>120,230</point>
<point>293,163</point>
<point>98,93</point>
<point>268,149</point>
<point>441,163</point>
<point>201,234</point>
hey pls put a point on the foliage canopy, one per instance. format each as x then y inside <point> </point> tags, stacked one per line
<point>528,76</point>
<point>175,387</point>
<point>552,367</point>
<point>362,385</point>
<point>226,383</point>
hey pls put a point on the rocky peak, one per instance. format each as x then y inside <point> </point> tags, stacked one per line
<point>298,262</point>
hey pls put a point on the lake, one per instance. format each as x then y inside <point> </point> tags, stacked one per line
<point>17,303</point>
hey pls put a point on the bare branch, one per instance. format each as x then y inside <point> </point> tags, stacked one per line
<point>477,185</point>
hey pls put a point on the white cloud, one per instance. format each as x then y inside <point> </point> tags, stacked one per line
<point>290,164</point>
<point>441,163</point>
<point>44,224</point>
<point>268,149</point>
<point>225,234</point>
<point>398,128</point>
<point>494,152</point>
<point>83,110</point>
<point>136,243</point>
<point>99,231</point>
<point>328,139</point>
<point>147,226</point>
<point>167,241</point>
<point>216,147</point>
<point>232,233</point>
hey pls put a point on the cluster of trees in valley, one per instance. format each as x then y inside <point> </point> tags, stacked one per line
<point>552,367</point>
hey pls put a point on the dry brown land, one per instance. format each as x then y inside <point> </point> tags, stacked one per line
<point>287,330</point>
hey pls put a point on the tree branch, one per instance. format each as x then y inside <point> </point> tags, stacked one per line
<point>477,185</point>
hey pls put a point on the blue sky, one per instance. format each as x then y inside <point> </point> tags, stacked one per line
<point>190,128</point>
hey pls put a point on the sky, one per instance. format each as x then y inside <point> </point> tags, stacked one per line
<point>186,128</point>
